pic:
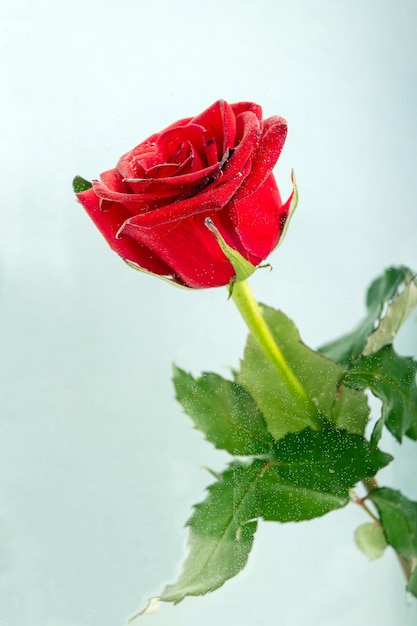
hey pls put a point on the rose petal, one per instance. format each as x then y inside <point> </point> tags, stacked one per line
<point>258,220</point>
<point>241,107</point>
<point>135,202</point>
<point>189,248</point>
<point>114,181</point>
<point>265,156</point>
<point>173,184</point>
<point>170,141</point>
<point>210,148</point>
<point>249,128</point>
<point>127,164</point>
<point>214,198</point>
<point>108,222</point>
<point>160,171</point>
<point>220,123</point>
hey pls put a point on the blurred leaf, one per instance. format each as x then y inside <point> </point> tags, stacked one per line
<point>80,184</point>
<point>391,378</point>
<point>397,312</point>
<point>370,539</point>
<point>224,412</point>
<point>318,376</point>
<point>377,432</point>
<point>398,516</point>
<point>381,292</point>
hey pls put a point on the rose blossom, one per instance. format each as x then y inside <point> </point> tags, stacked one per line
<point>152,206</point>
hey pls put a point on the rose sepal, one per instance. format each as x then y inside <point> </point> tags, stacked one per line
<point>242,266</point>
<point>294,203</point>
<point>80,184</point>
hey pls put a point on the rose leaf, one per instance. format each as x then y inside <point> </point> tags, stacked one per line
<point>224,412</point>
<point>319,376</point>
<point>309,475</point>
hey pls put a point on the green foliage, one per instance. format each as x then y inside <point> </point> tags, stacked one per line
<point>224,412</point>
<point>307,475</point>
<point>372,362</point>
<point>318,375</point>
<point>80,184</point>
<point>221,533</point>
<point>300,466</point>
<point>392,379</point>
<point>382,291</point>
<point>311,473</point>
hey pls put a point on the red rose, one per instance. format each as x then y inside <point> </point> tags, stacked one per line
<point>152,207</point>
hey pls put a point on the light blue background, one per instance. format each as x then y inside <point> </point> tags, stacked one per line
<point>99,468</point>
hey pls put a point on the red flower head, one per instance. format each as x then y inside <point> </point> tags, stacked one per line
<point>153,207</point>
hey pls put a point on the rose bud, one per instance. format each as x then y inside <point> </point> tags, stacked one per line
<point>204,181</point>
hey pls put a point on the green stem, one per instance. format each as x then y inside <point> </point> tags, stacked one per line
<point>370,484</point>
<point>249,309</point>
<point>361,502</point>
